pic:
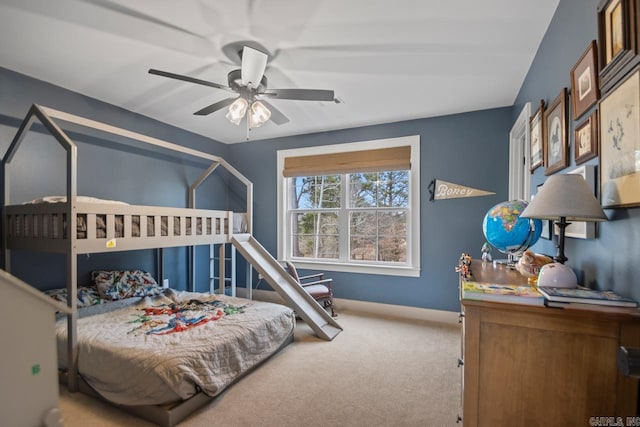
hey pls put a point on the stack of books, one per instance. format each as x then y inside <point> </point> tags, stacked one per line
<point>579,298</point>
<point>583,298</point>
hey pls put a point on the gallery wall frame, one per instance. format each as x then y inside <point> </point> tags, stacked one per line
<point>555,135</point>
<point>585,89</point>
<point>619,142</point>
<point>619,40</point>
<point>586,139</point>
<point>536,127</point>
<point>546,223</point>
<point>578,229</point>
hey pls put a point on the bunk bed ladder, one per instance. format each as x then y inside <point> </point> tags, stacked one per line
<point>226,276</point>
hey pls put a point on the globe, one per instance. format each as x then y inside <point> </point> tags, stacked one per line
<point>506,231</point>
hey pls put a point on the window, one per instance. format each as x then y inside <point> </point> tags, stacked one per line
<point>351,207</point>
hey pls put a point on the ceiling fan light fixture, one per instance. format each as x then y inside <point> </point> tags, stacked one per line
<point>258,114</point>
<point>237,110</point>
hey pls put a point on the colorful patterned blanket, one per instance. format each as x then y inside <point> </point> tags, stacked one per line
<point>167,347</point>
<point>178,317</point>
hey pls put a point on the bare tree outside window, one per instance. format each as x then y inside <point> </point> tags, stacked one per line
<point>375,212</point>
<point>315,232</point>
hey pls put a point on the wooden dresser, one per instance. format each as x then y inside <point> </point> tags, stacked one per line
<point>538,366</point>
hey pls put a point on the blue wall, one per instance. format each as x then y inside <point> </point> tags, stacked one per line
<point>469,149</point>
<point>610,260</point>
<point>106,169</point>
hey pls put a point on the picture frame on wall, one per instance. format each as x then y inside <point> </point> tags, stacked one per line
<point>580,229</point>
<point>618,39</point>
<point>546,223</point>
<point>586,139</point>
<point>584,81</point>
<point>619,143</point>
<point>555,135</point>
<point>536,130</point>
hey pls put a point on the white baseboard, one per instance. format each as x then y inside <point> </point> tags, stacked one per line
<point>400,311</point>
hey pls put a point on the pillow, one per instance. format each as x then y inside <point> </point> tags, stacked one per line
<point>87,295</point>
<point>120,284</point>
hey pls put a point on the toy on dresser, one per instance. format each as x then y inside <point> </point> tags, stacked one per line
<point>486,252</point>
<point>530,264</point>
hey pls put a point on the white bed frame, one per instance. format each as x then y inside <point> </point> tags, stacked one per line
<point>30,226</point>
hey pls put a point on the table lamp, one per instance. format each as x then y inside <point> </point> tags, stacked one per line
<point>564,197</point>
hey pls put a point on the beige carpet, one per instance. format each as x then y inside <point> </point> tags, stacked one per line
<point>379,371</point>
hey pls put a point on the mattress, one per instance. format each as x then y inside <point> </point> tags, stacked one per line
<point>161,349</point>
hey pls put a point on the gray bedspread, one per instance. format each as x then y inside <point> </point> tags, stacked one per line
<point>162,349</point>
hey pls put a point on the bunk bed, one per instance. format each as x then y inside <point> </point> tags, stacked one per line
<point>74,225</point>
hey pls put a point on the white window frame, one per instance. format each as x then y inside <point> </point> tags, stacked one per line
<point>409,269</point>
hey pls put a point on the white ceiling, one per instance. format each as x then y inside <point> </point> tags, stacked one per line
<point>386,60</point>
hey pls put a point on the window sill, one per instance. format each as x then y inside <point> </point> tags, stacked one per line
<point>358,268</point>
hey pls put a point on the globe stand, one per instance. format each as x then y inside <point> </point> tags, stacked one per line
<point>510,262</point>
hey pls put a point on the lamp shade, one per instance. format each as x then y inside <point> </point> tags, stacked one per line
<point>565,196</point>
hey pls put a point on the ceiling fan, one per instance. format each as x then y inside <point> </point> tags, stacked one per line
<point>250,83</point>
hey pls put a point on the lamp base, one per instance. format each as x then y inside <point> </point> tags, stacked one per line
<point>562,224</point>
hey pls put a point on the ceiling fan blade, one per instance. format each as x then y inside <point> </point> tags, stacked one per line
<point>215,107</point>
<point>126,10</point>
<point>301,94</point>
<point>234,50</point>
<point>188,79</point>
<point>276,115</point>
<point>254,63</point>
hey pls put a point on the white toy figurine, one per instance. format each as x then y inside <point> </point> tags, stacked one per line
<point>486,252</point>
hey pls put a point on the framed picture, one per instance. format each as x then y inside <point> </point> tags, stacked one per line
<point>546,223</point>
<point>555,135</point>
<point>585,139</point>
<point>618,39</point>
<point>535,126</point>
<point>578,229</point>
<point>619,143</point>
<point>584,81</point>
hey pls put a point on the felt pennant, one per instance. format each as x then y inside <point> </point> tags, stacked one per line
<point>441,190</point>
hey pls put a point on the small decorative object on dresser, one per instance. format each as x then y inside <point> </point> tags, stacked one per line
<point>486,252</point>
<point>530,265</point>
<point>557,275</point>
